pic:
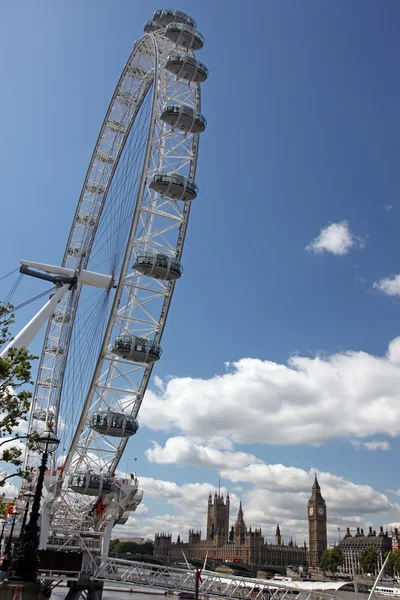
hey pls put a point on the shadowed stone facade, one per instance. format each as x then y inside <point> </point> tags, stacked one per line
<point>238,544</point>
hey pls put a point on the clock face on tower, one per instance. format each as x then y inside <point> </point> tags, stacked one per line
<point>311,511</point>
<point>321,510</point>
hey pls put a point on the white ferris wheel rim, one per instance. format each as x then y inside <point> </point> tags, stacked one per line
<point>84,262</point>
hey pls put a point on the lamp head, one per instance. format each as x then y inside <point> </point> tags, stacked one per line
<point>47,441</point>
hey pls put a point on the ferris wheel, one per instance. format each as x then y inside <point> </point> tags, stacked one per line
<point>115,284</point>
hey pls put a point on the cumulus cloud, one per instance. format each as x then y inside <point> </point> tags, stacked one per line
<point>389,285</point>
<point>335,238</point>
<point>181,450</point>
<point>371,446</point>
<point>308,401</point>
<point>276,494</point>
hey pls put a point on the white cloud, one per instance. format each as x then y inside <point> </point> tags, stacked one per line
<point>335,238</point>
<point>371,446</point>
<point>183,450</point>
<point>278,494</point>
<point>383,445</point>
<point>309,401</point>
<point>389,285</point>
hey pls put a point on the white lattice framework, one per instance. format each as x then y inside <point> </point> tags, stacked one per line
<point>212,584</point>
<point>139,304</point>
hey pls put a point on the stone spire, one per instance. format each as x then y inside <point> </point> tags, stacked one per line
<point>316,490</point>
<point>240,526</point>
<point>278,539</point>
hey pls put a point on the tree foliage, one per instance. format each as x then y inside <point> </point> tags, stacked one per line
<point>15,373</point>
<point>393,564</point>
<point>368,560</point>
<point>117,547</point>
<point>331,559</point>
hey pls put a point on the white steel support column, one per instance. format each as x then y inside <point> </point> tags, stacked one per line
<point>106,539</point>
<point>26,335</point>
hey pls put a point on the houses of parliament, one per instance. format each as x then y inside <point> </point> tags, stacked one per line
<point>239,543</point>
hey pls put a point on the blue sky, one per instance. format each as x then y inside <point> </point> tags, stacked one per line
<point>302,105</point>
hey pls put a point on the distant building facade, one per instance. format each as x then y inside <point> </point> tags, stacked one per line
<point>317,518</point>
<point>237,544</point>
<point>353,545</point>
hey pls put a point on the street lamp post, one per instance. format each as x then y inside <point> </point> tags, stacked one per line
<point>24,566</point>
<point>9,541</point>
<point>2,532</point>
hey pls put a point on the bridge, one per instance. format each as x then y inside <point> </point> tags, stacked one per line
<point>173,580</point>
<point>211,564</point>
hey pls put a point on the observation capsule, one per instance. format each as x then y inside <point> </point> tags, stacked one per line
<point>183,117</point>
<point>165,16</point>
<point>94,188</point>
<point>108,422</point>
<point>186,67</point>
<point>91,484</point>
<point>158,266</point>
<point>151,26</point>
<point>123,518</point>
<point>184,36</point>
<point>173,185</point>
<point>137,349</point>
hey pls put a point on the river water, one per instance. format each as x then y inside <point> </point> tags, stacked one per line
<point>60,592</point>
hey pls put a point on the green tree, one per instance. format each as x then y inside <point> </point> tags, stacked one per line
<point>325,561</point>
<point>15,373</point>
<point>331,559</point>
<point>393,564</point>
<point>337,558</point>
<point>117,547</point>
<point>389,565</point>
<point>369,560</point>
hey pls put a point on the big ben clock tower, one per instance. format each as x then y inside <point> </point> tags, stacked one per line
<point>316,525</point>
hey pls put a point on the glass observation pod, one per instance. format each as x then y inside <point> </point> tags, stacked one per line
<point>91,484</point>
<point>48,381</point>
<point>185,36</point>
<point>94,188</point>
<point>151,26</point>
<point>136,348</point>
<point>114,424</point>
<point>167,16</point>
<point>183,117</point>
<point>116,126</point>
<point>54,349</point>
<point>85,219</point>
<point>76,251</point>
<point>61,317</point>
<point>173,185</point>
<point>186,67</point>
<point>158,266</point>
<point>123,518</point>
